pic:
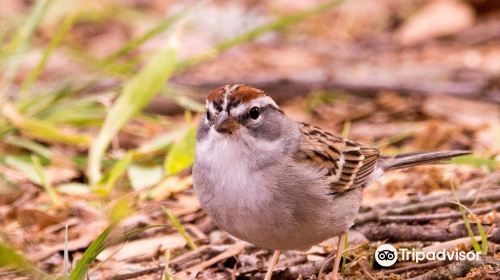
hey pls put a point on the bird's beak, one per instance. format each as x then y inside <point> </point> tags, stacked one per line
<point>227,125</point>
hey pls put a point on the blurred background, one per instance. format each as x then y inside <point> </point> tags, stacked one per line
<point>99,102</point>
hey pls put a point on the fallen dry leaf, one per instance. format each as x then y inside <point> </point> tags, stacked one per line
<point>33,216</point>
<point>438,18</point>
<point>143,248</point>
<point>467,113</point>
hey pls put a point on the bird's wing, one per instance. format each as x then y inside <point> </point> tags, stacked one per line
<point>348,164</point>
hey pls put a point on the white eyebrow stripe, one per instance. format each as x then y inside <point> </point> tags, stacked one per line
<point>227,93</point>
<point>210,106</point>
<point>259,102</point>
<point>234,87</point>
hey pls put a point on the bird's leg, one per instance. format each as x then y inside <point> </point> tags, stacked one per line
<point>272,265</point>
<point>338,257</point>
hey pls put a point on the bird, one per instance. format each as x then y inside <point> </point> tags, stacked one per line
<point>278,183</point>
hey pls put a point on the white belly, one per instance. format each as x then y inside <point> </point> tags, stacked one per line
<point>281,206</point>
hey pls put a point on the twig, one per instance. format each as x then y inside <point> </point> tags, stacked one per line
<point>399,233</point>
<point>425,204</point>
<point>436,216</point>
<point>138,273</point>
<point>449,245</point>
<point>179,262</point>
<point>428,265</point>
<point>234,250</point>
<point>204,250</point>
<point>480,33</point>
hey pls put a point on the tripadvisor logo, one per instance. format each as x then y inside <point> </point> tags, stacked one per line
<point>387,255</point>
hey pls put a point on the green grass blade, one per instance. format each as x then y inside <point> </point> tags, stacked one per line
<point>108,181</point>
<point>473,240</point>
<point>2,39</point>
<point>484,238</point>
<point>120,209</point>
<point>27,169</point>
<point>41,129</point>
<point>11,259</point>
<point>20,43</point>
<point>278,24</point>
<point>47,132</point>
<point>126,236</point>
<point>79,112</point>
<point>29,145</point>
<point>161,142</point>
<point>183,101</point>
<point>45,99</point>
<point>44,182</point>
<point>168,275</point>
<point>345,129</point>
<point>181,154</point>
<point>136,94</point>
<point>344,256</point>
<point>164,25</point>
<point>96,247</point>
<point>53,44</point>
<point>482,233</point>
<point>178,226</point>
<point>489,162</point>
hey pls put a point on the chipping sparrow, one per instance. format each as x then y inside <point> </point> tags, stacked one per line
<point>278,183</point>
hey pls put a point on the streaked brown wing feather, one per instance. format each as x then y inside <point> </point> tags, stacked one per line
<point>348,164</point>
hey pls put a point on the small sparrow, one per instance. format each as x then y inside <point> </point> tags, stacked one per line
<point>278,183</point>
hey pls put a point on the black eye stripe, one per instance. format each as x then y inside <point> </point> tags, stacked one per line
<point>217,106</point>
<point>233,103</point>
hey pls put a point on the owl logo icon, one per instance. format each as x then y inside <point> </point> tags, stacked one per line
<point>386,255</point>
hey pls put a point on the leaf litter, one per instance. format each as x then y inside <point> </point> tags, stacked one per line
<point>146,167</point>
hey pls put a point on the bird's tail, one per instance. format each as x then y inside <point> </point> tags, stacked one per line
<point>412,159</point>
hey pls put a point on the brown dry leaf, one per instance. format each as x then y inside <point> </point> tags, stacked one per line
<point>13,175</point>
<point>54,174</point>
<point>438,18</point>
<point>391,102</point>
<point>9,193</point>
<point>57,175</point>
<point>143,248</point>
<point>32,216</point>
<point>188,205</point>
<point>489,138</point>
<point>348,110</point>
<point>438,135</point>
<point>377,131</point>
<point>468,113</point>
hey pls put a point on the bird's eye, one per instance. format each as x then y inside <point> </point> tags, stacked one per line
<point>209,116</point>
<point>254,113</point>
